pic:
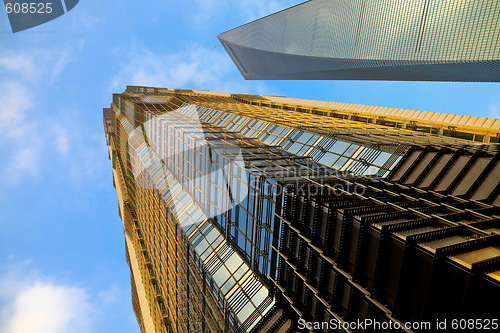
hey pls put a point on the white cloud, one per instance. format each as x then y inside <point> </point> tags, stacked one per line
<point>90,161</point>
<point>23,127</point>
<point>20,63</point>
<point>23,161</point>
<point>15,101</point>
<point>19,138</point>
<point>494,110</point>
<point>61,139</point>
<point>195,67</point>
<point>38,66</point>
<point>47,308</point>
<point>33,303</point>
<point>89,21</point>
<point>64,58</point>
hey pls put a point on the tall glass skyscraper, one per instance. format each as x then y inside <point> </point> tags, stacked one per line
<point>258,213</point>
<point>422,40</point>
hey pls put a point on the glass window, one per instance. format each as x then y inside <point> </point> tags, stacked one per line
<point>276,129</point>
<point>339,147</point>
<point>304,137</point>
<point>295,148</point>
<point>351,150</point>
<point>241,241</point>
<point>217,241</point>
<point>246,311</point>
<point>382,158</point>
<point>371,170</point>
<point>340,162</point>
<point>234,262</point>
<point>210,237</point>
<point>227,286</point>
<point>328,159</point>
<point>303,150</point>
<point>221,275</point>
<point>202,246</point>
<point>241,272</point>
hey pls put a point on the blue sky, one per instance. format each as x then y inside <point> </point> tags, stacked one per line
<point>62,254</point>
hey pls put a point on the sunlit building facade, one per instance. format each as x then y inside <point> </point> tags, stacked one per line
<point>233,207</point>
<point>420,40</point>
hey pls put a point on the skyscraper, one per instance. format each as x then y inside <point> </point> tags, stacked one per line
<point>415,40</point>
<point>250,213</point>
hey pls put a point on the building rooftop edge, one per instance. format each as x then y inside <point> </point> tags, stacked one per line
<point>434,118</point>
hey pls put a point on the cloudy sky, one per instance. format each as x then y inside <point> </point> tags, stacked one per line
<point>62,255</point>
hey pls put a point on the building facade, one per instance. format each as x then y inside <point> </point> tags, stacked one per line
<point>250,213</point>
<point>396,257</point>
<point>415,40</point>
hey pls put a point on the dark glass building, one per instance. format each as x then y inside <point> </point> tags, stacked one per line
<point>396,256</point>
<point>413,40</point>
<point>256,213</point>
